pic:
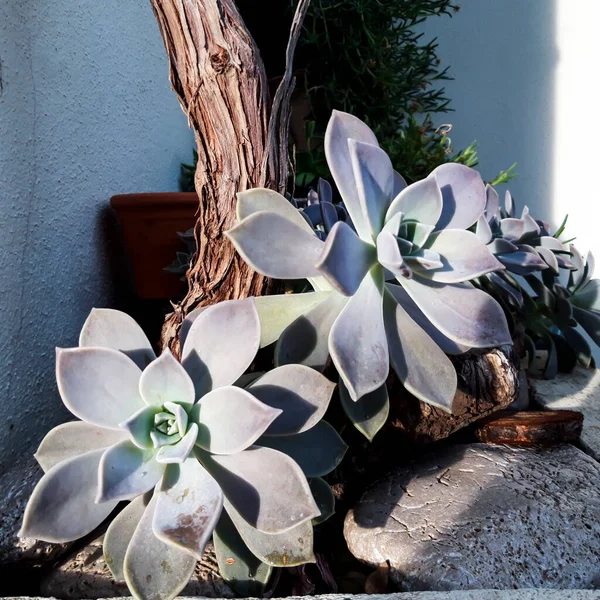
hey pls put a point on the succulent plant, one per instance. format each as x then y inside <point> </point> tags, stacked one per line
<point>416,234</point>
<point>180,441</point>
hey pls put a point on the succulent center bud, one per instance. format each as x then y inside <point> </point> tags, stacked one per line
<point>170,425</point>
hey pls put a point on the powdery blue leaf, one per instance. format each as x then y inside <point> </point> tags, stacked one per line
<point>512,291</point>
<point>578,272</point>
<point>279,311</point>
<point>287,549</point>
<point>512,229</point>
<point>369,413</point>
<point>72,439</point>
<point>257,200</point>
<point>152,568</point>
<point>509,205</point>
<point>267,487</point>
<point>548,257</point>
<point>531,228</point>
<point>301,393</point>
<point>107,328</point>
<point>345,259</point>
<point>552,244</point>
<point>324,497</point>
<point>390,256</point>
<point>177,453</point>
<point>418,233</point>
<point>276,247</point>
<point>374,178</point>
<point>416,314</point>
<point>590,263</point>
<point>126,471</point>
<point>463,194</point>
<point>318,451</point>
<point>221,344</point>
<point>588,297</point>
<point>305,341</point>
<point>188,507</point>
<point>420,201</point>
<point>165,380</point>
<point>399,184</point>
<point>590,322</point>
<point>492,202</point>
<point>341,128</point>
<point>425,260</point>
<point>61,507</point>
<point>98,385</point>
<point>483,231</point>
<point>461,312</point>
<point>422,367</point>
<point>521,258</point>
<point>500,246</point>
<point>231,419</point>
<point>464,257</point>
<point>119,534</point>
<point>139,426</point>
<point>241,570</point>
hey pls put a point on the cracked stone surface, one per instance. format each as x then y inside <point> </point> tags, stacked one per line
<point>579,390</point>
<point>474,516</point>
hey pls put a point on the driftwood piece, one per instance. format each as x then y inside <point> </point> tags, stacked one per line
<point>486,383</point>
<point>218,76</point>
<point>528,428</point>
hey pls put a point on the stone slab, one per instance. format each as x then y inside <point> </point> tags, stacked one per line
<point>579,390</point>
<point>484,517</point>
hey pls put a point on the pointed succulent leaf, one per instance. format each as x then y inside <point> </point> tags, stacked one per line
<point>72,439</point>
<point>512,229</point>
<point>301,393</point>
<point>374,176</point>
<point>140,424</point>
<point>242,571</point>
<point>266,486</point>
<point>590,264</point>
<point>277,312</point>
<point>98,385</point>
<point>318,451</point>
<point>305,341</point>
<point>369,413</point>
<point>492,202</point>
<point>345,259</point>
<point>464,257</point>
<point>422,367</point>
<point>357,343</point>
<point>188,507</point>
<point>231,419</point>
<point>509,205</point>
<point>542,292</point>
<point>177,453</point>
<point>399,184</point>
<point>552,244</point>
<point>461,312</point>
<point>341,128</point>
<point>512,291</point>
<point>420,201</point>
<point>500,246</point>
<point>528,260</point>
<point>425,260</point>
<point>463,194</point>
<point>126,471</point>
<point>257,200</point>
<point>390,256</point>
<point>419,233</point>
<point>221,344</point>
<point>579,345</point>
<point>152,568</point>
<point>589,321</point>
<point>265,241</point>
<point>531,228</point>
<point>61,507</point>
<point>290,548</point>
<point>549,258</point>
<point>551,368</point>
<point>324,191</point>
<point>330,215</point>
<point>483,231</point>
<point>165,380</point>
<point>107,328</point>
<point>324,497</point>
<point>119,534</point>
<point>578,273</point>
<point>588,297</point>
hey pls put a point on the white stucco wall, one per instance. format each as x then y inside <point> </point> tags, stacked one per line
<point>526,79</point>
<point>85,112</point>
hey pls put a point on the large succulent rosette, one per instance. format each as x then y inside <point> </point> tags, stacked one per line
<point>179,441</point>
<point>416,235</point>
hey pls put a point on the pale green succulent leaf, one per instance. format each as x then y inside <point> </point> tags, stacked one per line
<point>188,507</point>
<point>420,202</point>
<point>62,505</point>
<point>98,385</point>
<point>178,453</point>
<point>369,413</point>
<point>139,426</point>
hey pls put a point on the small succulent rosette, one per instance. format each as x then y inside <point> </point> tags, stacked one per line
<point>415,235</point>
<point>178,440</point>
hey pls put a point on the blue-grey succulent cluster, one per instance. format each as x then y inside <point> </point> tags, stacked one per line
<point>195,448</point>
<point>391,289</point>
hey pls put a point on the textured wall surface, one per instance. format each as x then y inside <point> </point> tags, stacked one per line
<point>85,112</point>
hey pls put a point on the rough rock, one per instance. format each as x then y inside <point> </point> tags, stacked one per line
<point>484,517</point>
<point>86,575</point>
<point>579,390</point>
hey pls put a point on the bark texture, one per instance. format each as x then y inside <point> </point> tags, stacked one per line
<point>220,81</point>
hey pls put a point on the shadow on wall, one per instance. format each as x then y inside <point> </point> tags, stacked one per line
<point>503,56</point>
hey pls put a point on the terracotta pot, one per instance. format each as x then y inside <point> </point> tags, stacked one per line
<point>150,223</point>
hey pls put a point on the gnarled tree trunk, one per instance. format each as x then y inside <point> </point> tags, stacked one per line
<point>218,76</point>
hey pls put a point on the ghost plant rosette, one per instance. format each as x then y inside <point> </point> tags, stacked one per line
<point>416,236</point>
<point>178,441</point>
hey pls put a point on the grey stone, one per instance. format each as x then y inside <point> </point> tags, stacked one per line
<point>16,485</point>
<point>579,390</point>
<point>484,517</point>
<point>86,575</point>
